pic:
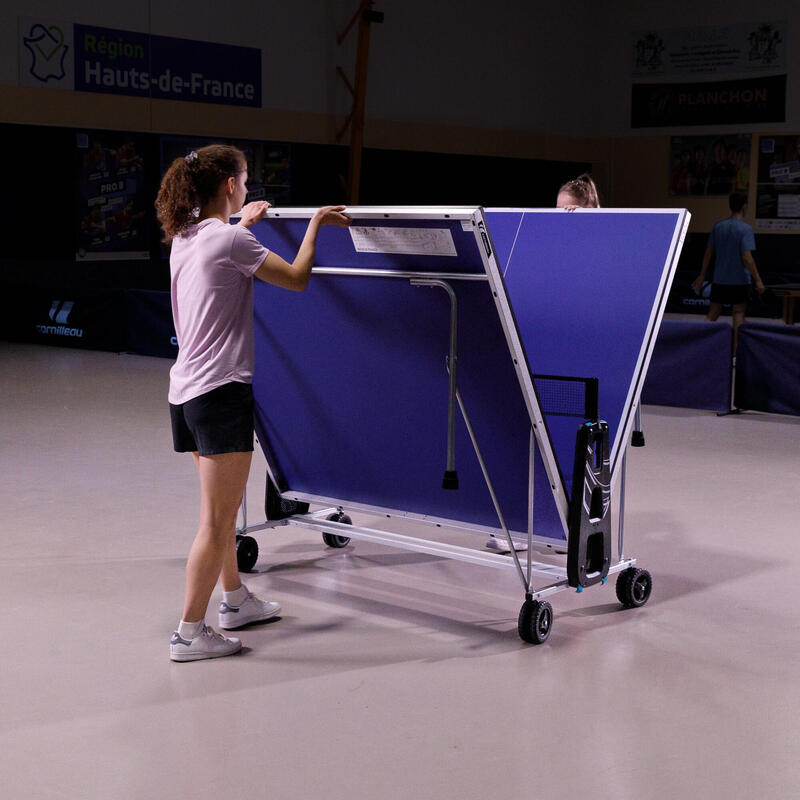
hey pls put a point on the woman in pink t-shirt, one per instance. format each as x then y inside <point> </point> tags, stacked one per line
<point>212,266</point>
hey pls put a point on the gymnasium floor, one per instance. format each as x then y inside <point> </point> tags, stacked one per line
<point>390,674</point>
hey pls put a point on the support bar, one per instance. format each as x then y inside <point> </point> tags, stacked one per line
<point>621,505</point>
<point>637,439</point>
<point>490,487</point>
<point>428,546</point>
<point>531,466</point>
<point>552,572</point>
<point>363,272</point>
<point>450,480</point>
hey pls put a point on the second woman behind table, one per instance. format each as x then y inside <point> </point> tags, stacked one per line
<point>212,266</point>
<point>578,193</point>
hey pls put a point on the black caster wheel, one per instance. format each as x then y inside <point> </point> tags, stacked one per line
<point>246,553</point>
<point>275,507</point>
<point>331,539</point>
<point>633,587</point>
<point>535,621</point>
<point>637,439</point>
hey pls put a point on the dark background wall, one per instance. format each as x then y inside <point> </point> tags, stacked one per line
<point>465,104</point>
<point>40,241</point>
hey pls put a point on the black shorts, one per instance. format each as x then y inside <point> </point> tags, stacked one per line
<point>730,295</point>
<point>220,421</point>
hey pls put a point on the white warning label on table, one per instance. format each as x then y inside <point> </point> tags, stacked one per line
<point>406,241</point>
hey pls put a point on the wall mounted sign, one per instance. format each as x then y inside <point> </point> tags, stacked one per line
<point>84,58</point>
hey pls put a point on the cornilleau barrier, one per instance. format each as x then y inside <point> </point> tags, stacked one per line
<point>409,367</point>
<point>691,366</point>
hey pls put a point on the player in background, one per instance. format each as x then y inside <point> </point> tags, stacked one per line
<point>578,193</point>
<point>732,243</point>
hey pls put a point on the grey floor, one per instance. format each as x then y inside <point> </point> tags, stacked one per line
<point>390,674</point>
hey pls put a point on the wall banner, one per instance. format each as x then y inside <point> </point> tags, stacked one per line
<point>89,319</point>
<point>84,58</point>
<point>112,201</point>
<point>709,165</point>
<point>728,49</point>
<point>268,166</point>
<point>149,329</point>
<point>748,101</point>
<point>778,187</point>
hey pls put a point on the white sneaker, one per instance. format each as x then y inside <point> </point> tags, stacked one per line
<point>251,610</point>
<point>499,544</point>
<point>207,644</point>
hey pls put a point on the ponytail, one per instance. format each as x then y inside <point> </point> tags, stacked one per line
<point>190,182</point>
<point>583,189</point>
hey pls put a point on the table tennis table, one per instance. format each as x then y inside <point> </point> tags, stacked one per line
<point>477,369</point>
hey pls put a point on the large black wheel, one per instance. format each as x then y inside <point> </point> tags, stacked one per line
<point>275,507</point>
<point>246,553</point>
<point>331,539</point>
<point>634,586</point>
<point>535,621</point>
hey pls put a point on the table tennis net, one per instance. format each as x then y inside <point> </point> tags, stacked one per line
<point>567,396</point>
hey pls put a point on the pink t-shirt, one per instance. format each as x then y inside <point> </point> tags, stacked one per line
<point>212,267</point>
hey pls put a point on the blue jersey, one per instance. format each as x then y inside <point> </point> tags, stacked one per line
<point>730,238</point>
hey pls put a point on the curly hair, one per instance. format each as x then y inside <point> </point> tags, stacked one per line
<point>191,181</point>
<point>583,190</point>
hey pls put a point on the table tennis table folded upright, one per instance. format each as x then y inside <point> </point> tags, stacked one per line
<point>478,369</point>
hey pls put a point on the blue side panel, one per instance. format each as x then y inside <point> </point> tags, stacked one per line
<point>351,395</point>
<point>335,245</point>
<point>583,287</point>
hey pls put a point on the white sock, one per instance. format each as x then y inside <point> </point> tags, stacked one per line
<point>237,597</point>
<point>188,630</point>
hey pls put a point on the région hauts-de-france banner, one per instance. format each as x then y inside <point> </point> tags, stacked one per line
<point>84,58</point>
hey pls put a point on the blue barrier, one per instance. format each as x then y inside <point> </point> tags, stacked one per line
<point>768,368</point>
<point>691,366</point>
<point>149,330</point>
<point>92,319</point>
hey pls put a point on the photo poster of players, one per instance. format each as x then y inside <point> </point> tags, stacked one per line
<point>268,166</point>
<point>113,204</point>
<point>709,165</point>
<point>778,183</point>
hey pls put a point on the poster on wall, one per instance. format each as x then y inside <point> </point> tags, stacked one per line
<point>268,165</point>
<point>778,183</point>
<point>112,202</point>
<point>709,75</point>
<point>739,48</point>
<point>268,171</point>
<point>747,101</point>
<point>709,165</point>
